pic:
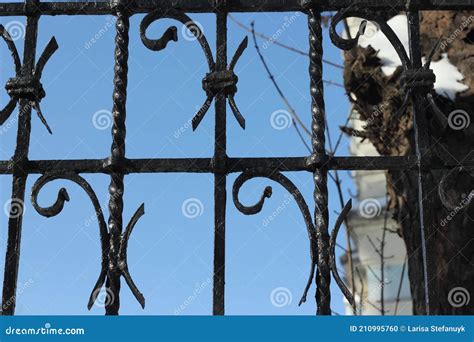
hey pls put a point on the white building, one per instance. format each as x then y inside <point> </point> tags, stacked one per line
<point>367,221</point>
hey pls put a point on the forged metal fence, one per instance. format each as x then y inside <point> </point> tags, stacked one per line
<point>220,86</point>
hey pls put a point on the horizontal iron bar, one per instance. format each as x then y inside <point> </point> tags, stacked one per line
<point>205,165</point>
<point>205,6</point>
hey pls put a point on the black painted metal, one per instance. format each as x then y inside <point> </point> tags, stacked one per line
<point>12,258</point>
<point>320,175</point>
<point>206,6</point>
<point>220,85</point>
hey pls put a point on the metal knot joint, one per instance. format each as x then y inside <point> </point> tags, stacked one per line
<point>315,161</point>
<point>423,79</point>
<point>28,88</point>
<point>219,165</point>
<point>220,82</point>
<point>117,165</point>
<point>24,85</point>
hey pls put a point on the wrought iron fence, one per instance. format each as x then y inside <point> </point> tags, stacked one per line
<point>220,85</point>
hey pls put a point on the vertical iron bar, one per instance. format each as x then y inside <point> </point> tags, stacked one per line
<point>19,160</point>
<point>116,188</point>
<point>422,144</point>
<point>220,159</point>
<point>321,214</point>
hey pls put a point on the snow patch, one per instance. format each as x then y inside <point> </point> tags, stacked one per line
<point>385,51</point>
<point>448,78</point>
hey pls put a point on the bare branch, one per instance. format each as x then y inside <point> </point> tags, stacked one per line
<point>402,276</point>
<point>277,87</point>
<point>301,136</point>
<point>290,48</point>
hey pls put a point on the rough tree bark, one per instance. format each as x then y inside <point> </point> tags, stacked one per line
<point>377,98</point>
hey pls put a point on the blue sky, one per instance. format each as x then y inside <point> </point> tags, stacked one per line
<point>170,253</point>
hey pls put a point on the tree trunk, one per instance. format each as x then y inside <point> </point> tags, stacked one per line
<point>376,98</point>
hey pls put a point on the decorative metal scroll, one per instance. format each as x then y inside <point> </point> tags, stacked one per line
<point>58,206</point>
<point>215,81</point>
<point>295,193</point>
<point>420,78</point>
<point>220,86</point>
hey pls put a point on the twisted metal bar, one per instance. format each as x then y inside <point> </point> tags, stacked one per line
<point>321,213</point>
<point>267,193</point>
<point>116,188</point>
